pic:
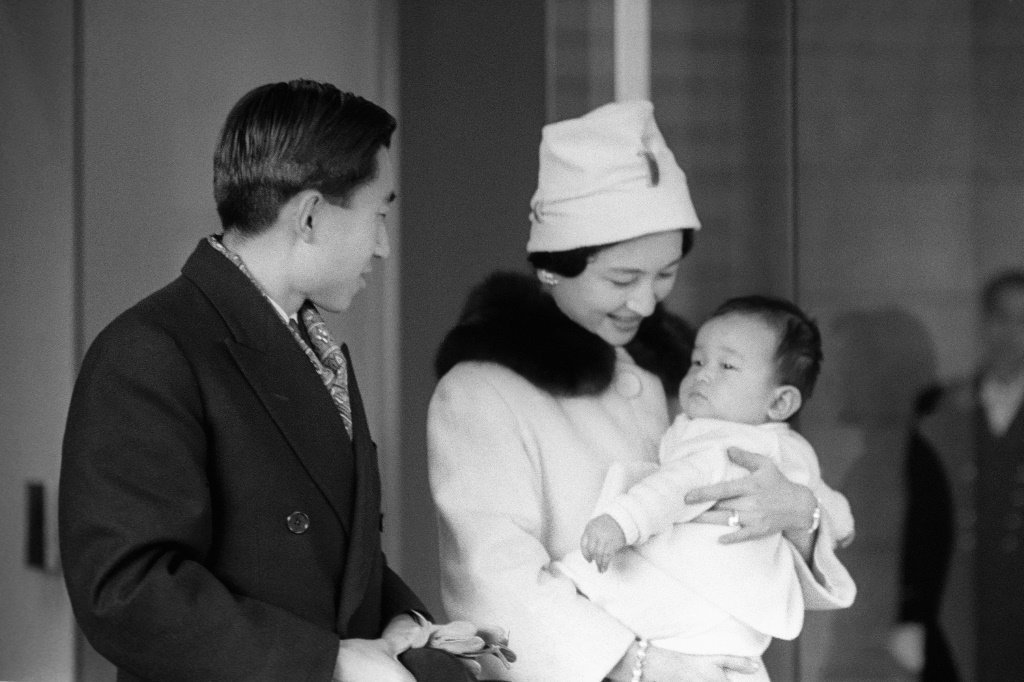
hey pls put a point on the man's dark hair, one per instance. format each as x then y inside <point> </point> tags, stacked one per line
<point>283,138</point>
<point>997,285</point>
<point>574,261</point>
<point>798,355</point>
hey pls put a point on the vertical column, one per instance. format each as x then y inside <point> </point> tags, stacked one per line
<point>632,47</point>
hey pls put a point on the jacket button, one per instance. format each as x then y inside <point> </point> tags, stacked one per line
<point>298,522</point>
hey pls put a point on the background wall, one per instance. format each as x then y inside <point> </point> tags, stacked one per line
<point>884,151</point>
<point>36,360</point>
<point>472,98</point>
<point>909,184</point>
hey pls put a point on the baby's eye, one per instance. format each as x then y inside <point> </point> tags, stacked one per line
<point>729,365</point>
<point>623,283</point>
<point>696,363</point>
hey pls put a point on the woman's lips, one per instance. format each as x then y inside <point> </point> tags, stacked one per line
<point>626,324</point>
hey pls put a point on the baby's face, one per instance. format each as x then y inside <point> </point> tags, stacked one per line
<point>732,371</point>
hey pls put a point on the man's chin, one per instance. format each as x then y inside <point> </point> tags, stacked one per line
<point>334,304</point>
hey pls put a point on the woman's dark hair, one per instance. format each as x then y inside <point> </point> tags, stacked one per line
<point>283,138</point>
<point>798,355</point>
<point>574,261</point>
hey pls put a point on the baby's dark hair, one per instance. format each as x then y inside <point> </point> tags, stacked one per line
<point>798,355</point>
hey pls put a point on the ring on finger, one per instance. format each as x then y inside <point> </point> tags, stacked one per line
<point>734,519</point>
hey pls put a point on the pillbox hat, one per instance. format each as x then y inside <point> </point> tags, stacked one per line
<point>607,177</point>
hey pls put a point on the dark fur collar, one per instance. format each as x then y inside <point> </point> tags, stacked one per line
<point>510,320</point>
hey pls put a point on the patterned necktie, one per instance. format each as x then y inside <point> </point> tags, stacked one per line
<point>329,353</point>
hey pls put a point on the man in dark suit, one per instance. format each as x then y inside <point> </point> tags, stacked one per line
<point>963,563</point>
<point>219,494</point>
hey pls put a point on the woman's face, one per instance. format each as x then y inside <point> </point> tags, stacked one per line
<point>621,285</point>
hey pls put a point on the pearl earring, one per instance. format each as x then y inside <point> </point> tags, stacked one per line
<point>547,278</point>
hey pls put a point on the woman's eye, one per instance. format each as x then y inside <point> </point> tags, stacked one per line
<point>728,365</point>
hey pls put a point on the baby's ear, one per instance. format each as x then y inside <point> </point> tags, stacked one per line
<point>785,403</point>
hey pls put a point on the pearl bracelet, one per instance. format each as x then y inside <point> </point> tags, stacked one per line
<point>638,664</point>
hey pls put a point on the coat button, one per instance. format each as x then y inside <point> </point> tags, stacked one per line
<point>298,522</point>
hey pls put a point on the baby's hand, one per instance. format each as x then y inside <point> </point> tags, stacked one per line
<point>601,539</point>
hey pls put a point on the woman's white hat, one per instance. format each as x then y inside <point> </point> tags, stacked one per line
<point>606,177</point>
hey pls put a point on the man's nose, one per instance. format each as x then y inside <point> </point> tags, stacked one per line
<point>383,249</point>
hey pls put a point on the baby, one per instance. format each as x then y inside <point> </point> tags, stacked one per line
<point>754,363</point>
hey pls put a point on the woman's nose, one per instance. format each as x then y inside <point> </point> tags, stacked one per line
<point>642,300</point>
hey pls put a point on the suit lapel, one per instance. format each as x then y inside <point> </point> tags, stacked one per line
<point>301,407</point>
<point>280,375</point>
<point>365,534</point>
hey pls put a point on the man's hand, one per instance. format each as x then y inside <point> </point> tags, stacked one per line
<point>369,659</point>
<point>404,633</point>
<point>464,640</point>
<point>906,644</point>
<point>601,539</point>
<point>766,501</point>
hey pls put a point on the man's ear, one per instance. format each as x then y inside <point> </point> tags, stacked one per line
<point>305,207</point>
<point>785,403</point>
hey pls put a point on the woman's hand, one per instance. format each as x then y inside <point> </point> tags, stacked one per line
<point>764,503</point>
<point>663,665</point>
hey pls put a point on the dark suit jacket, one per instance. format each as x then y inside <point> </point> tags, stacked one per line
<point>982,605</point>
<point>216,520</point>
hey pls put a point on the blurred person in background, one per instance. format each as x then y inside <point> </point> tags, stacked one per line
<point>963,562</point>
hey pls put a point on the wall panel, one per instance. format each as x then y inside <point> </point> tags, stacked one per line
<point>883,151</point>
<point>36,339</point>
<point>472,92</point>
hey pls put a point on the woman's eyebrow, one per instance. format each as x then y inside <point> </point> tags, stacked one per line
<point>630,270</point>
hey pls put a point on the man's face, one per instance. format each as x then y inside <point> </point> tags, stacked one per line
<point>350,237</point>
<point>1003,330</point>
